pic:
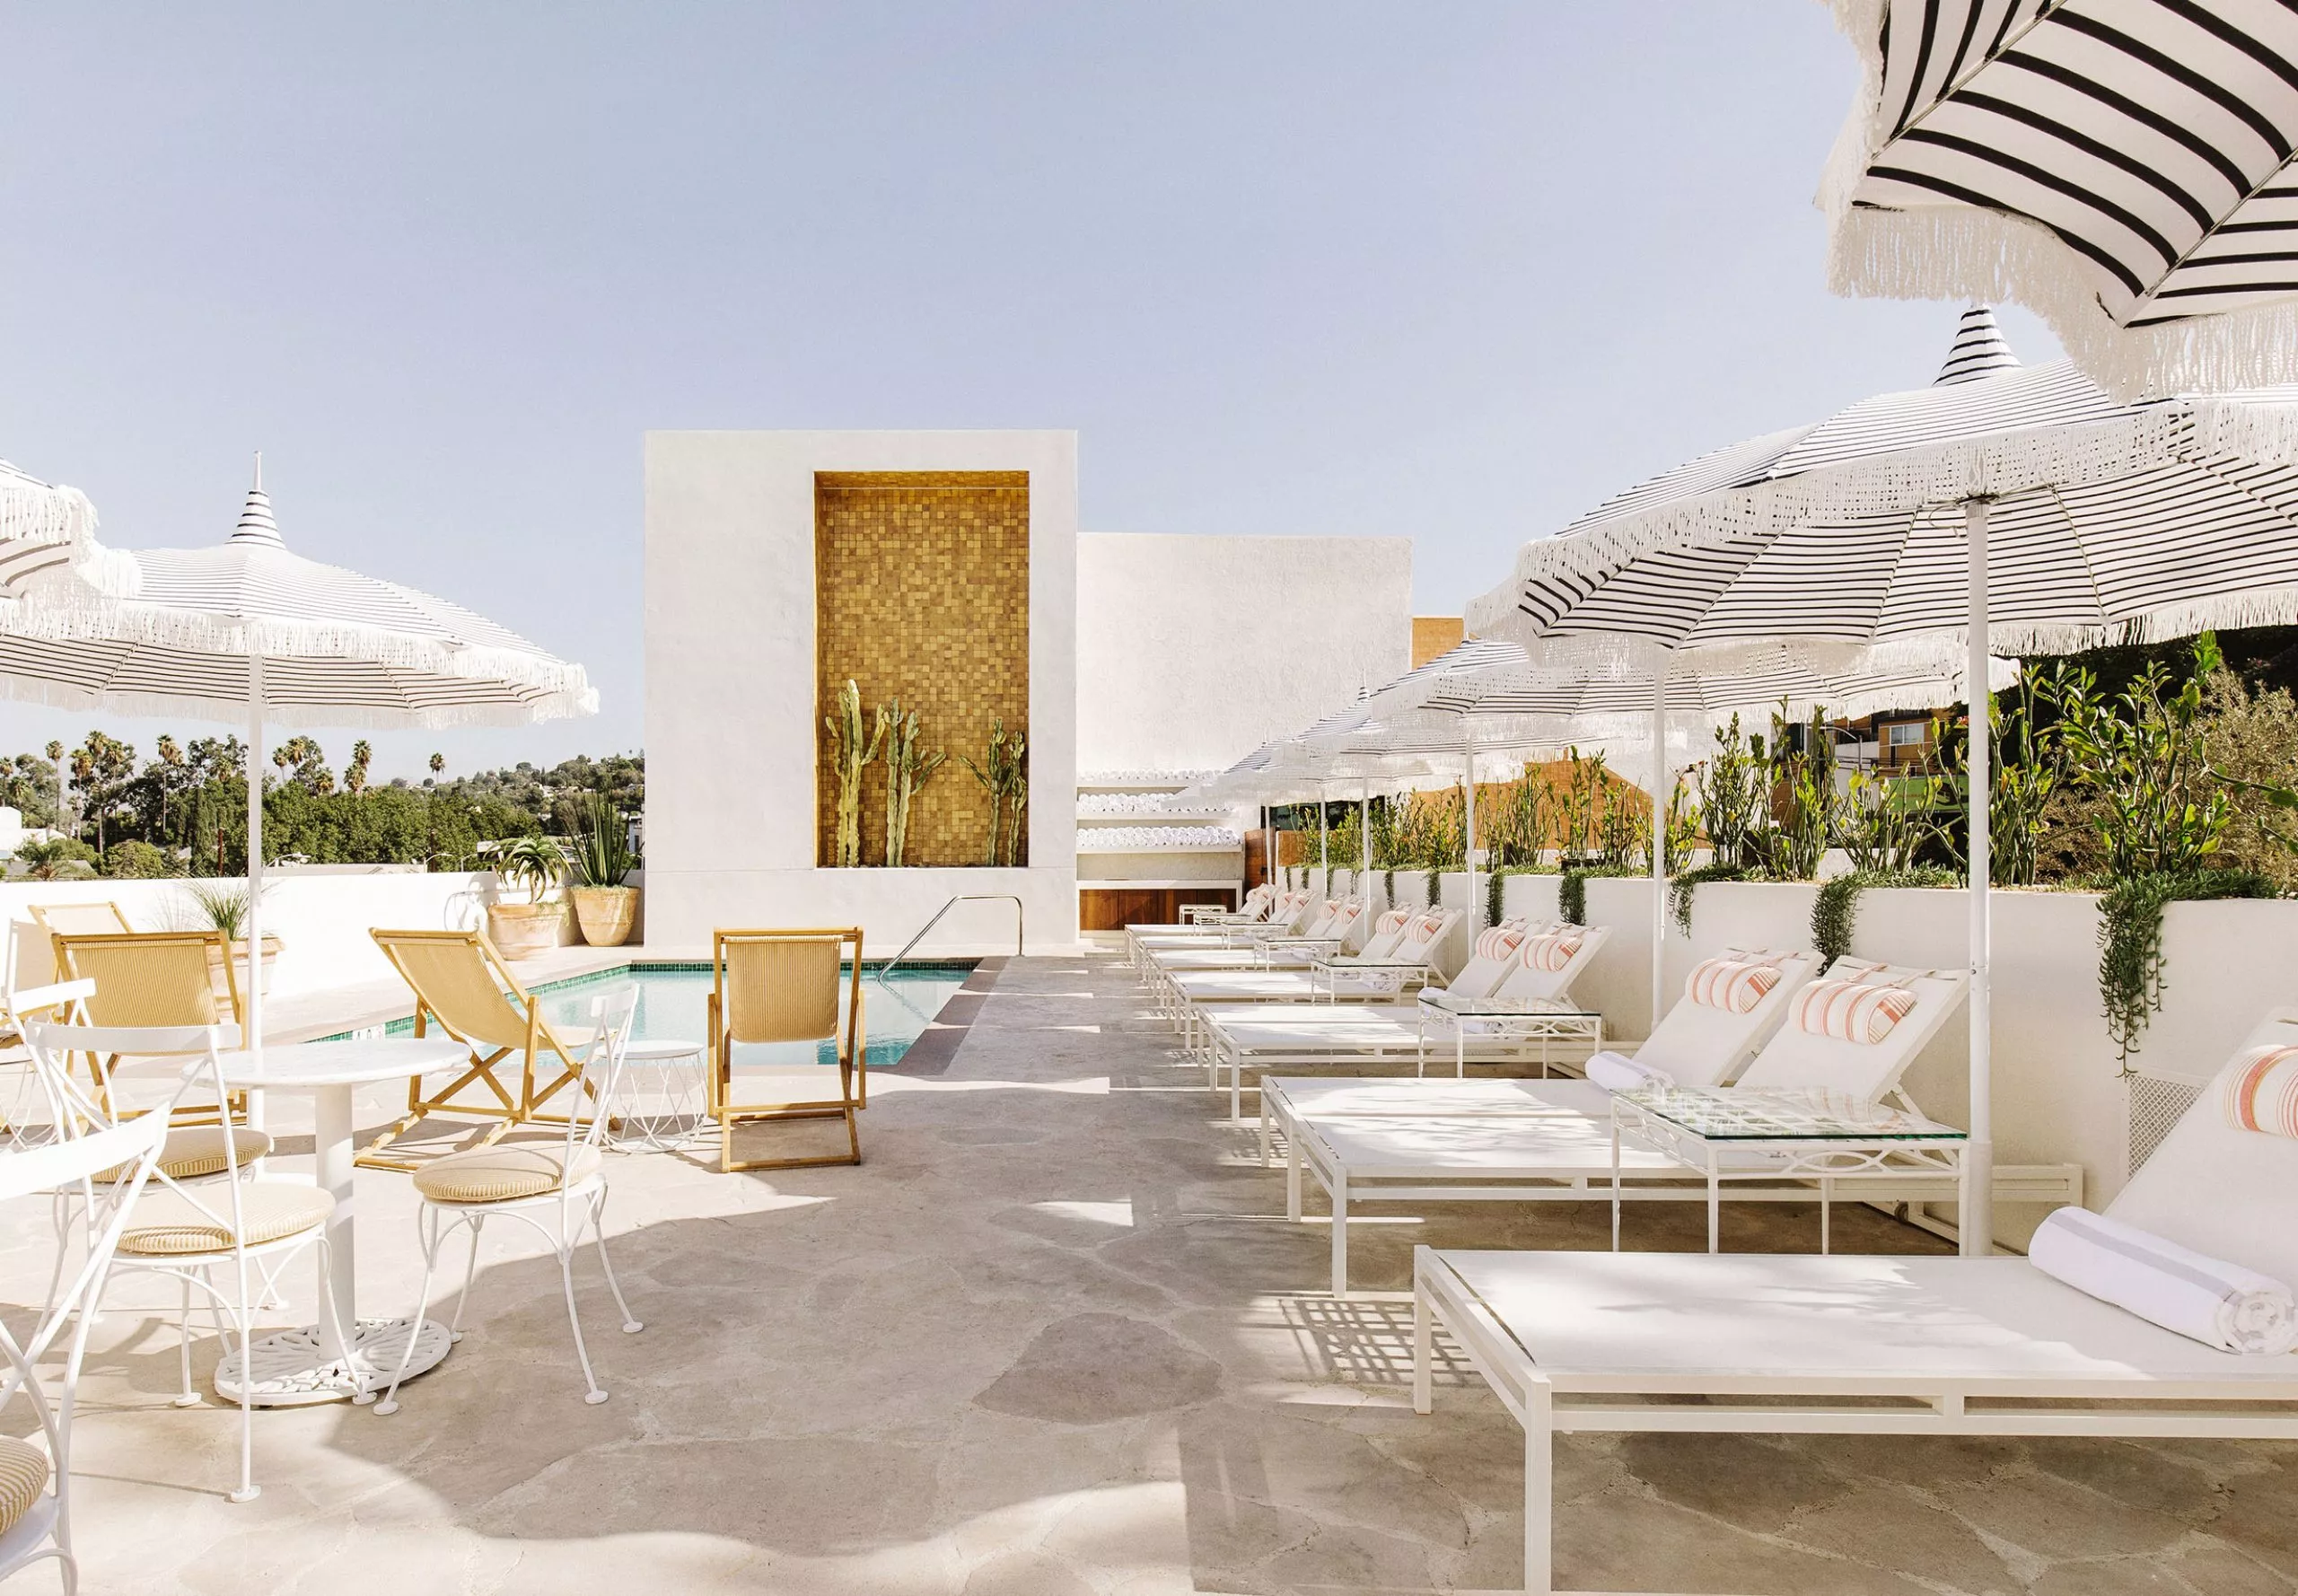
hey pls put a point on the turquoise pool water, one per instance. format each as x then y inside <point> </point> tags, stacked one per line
<point>672,998</point>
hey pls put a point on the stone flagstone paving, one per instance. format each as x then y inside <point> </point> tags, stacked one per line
<point>1055,1338</point>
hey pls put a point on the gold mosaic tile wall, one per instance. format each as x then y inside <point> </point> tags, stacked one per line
<point>922,591</point>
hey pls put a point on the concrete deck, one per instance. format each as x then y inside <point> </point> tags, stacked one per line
<point>1053,1338</point>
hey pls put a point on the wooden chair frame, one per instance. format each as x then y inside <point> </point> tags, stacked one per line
<point>68,946</point>
<point>853,1062</point>
<point>506,1108</point>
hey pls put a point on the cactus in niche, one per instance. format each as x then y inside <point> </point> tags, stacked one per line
<point>851,753</point>
<point>907,767</point>
<point>1003,776</point>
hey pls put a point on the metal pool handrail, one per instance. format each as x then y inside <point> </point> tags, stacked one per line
<point>887,968</point>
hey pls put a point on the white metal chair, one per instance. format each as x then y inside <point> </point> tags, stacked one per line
<point>35,1493</point>
<point>185,1227</point>
<point>559,1189</point>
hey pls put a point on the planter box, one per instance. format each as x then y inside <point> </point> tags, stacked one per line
<point>523,930</point>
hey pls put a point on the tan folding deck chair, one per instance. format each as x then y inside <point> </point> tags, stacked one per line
<point>463,984</point>
<point>101,918</point>
<point>782,986</point>
<point>169,979</point>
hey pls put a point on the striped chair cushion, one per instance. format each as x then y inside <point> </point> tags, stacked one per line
<point>2260,1092</point>
<point>1346,914</point>
<point>1733,984</point>
<point>1852,1011</point>
<point>1499,942</point>
<point>1552,951</point>
<point>1390,924</point>
<point>23,1474</point>
<point>1428,927</point>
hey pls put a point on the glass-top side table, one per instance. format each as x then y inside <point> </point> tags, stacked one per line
<point>1542,1019</point>
<point>1370,975</point>
<point>1730,1133</point>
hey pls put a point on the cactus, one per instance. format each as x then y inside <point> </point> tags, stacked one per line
<point>844,729</point>
<point>906,769</point>
<point>1017,792</point>
<point>1003,776</point>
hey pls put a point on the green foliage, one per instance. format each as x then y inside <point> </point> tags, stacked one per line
<point>602,852</point>
<point>1571,891</point>
<point>1683,828</point>
<point>1686,882</point>
<point>1495,893</point>
<point>1734,792</point>
<point>58,859</point>
<point>220,906</point>
<point>1805,820</point>
<point>533,862</point>
<point>2130,942</point>
<point>1884,822</point>
<point>1835,912</point>
<point>134,860</point>
<point>2142,755</point>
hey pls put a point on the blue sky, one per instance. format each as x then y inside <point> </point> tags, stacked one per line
<point>1452,271</point>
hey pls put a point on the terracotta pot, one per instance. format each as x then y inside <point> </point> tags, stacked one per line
<point>606,914</point>
<point>523,930</point>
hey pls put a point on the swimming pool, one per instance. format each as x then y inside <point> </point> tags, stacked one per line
<point>672,999</point>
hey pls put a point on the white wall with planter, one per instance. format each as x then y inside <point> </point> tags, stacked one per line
<point>322,921</point>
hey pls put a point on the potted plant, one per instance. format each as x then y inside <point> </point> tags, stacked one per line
<point>603,906</point>
<point>521,930</point>
<point>223,906</point>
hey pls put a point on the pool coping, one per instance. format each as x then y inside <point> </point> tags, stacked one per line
<point>937,1045</point>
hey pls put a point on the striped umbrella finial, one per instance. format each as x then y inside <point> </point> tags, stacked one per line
<point>1979,350</point>
<point>256,524</point>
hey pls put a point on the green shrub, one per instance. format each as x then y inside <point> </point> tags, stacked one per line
<point>138,861</point>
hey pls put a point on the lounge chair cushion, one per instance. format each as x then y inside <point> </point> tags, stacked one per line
<point>502,1173</point>
<point>1552,952</point>
<point>2260,1092</point>
<point>199,1150</point>
<point>1393,922</point>
<point>1499,941</point>
<point>24,1476</point>
<point>1734,983</point>
<point>1852,1011</point>
<point>168,1224</point>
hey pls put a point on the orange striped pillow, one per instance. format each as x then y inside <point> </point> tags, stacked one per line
<point>1499,942</point>
<point>1732,984</point>
<point>1430,924</point>
<point>1552,951</point>
<point>2260,1092</point>
<point>1393,922</point>
<point>1852,1011</point>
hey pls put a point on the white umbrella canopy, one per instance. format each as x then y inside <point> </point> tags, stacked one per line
<point>250,629</point>
<point>2121,167</point>
<point>45,529</point>
<point>2005,508</point>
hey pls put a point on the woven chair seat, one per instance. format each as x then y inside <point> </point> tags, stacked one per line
<point>199,1150</point>
<point>24,1476</point>
<point>500,1174</point>
<point>165,1224</point>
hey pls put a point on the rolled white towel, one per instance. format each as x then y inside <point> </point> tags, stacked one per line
<point>2218,1303</point>
<point>1617,1072</point>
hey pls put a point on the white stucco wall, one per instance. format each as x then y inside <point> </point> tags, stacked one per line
<point>1194,651</point>
<point>730,692</point>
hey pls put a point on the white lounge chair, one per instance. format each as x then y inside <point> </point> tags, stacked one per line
<point>1348,1037</point>
<point>1767,1345</point>
<point>1529,988</point>
<point>1486,968</point>
<point>1412,963</point>
<point>1558,1146</point>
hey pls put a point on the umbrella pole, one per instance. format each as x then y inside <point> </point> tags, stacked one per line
<point>1364,844</point>
<point>251,1034</point>
<point>1659,845</point>
<point>1324,844</point>
<point>1467,829</point>
<point>1975,1210</point>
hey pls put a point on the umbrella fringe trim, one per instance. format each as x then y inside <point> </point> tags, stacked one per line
<point>1990,256</point>
<point>55,694</point>
<point>42,513</point>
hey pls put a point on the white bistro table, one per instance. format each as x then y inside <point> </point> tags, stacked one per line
<point>309,1364</point>
<point>1734,1132</point>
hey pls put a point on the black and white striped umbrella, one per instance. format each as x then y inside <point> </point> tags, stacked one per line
<point>2122,167</point>
<point>44,528</point>
<point>2003,506</point>
<point>1847,540</point>
<point>248,630</point>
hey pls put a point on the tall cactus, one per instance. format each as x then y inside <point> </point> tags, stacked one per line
<point>908,766</point>
<point>851,754</point>
<point>993,779</point>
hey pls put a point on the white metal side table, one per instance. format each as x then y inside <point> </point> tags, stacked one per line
<point>659,1106</point>
<point>1542,1019</point>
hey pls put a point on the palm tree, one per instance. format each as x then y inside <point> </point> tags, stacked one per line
<point>355,775</point>
<point>52,860</point>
